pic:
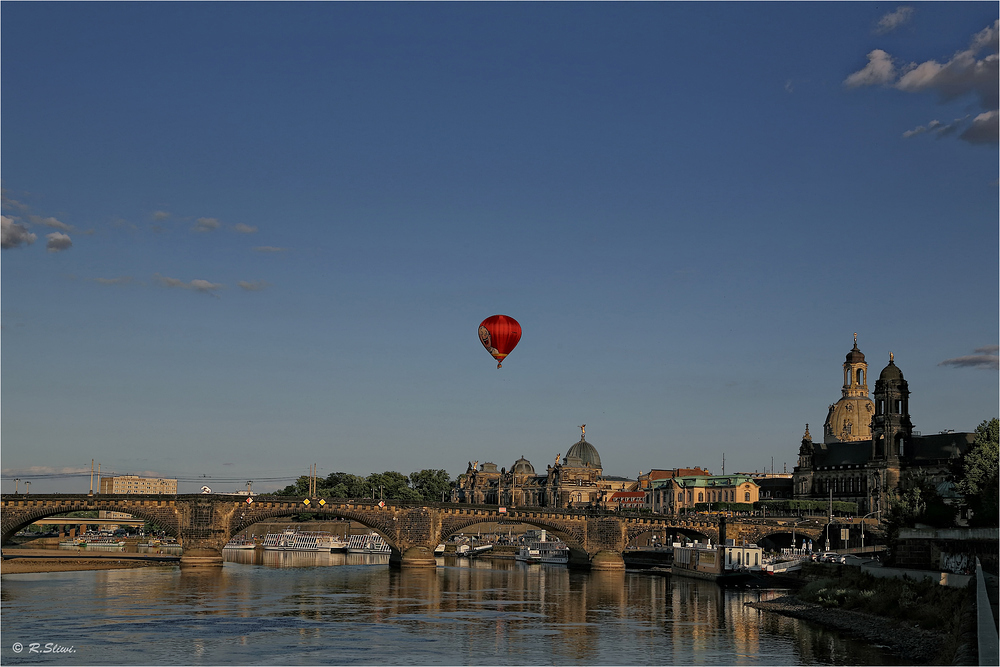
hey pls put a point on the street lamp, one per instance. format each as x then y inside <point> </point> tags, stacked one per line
<point>27,490</point>
<point>16,480</point>
<point>863,529</point>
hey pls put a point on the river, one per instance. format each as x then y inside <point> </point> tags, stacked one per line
<point>303,609</point>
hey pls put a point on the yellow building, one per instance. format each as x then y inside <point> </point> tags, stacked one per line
<point>135,484</point>
<point>679,494</point>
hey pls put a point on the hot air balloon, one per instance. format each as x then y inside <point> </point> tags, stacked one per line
<point>499,335</point>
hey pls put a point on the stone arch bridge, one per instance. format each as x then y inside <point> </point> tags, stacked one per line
<point>203,523</point>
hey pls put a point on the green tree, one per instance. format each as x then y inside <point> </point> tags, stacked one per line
<point>432,485</point>
<point>344,485</point>
<point>978,479</point>
<point>391,485</point>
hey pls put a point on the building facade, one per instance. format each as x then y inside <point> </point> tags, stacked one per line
<point>678,495</point>
<point>871,470</point>
<point>574,481</point>
<point>134,484</point>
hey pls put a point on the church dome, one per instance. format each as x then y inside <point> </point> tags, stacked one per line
<point>855,356</point>
<point>523,467</point>
<point>891,372</point>
<point>586,453</point>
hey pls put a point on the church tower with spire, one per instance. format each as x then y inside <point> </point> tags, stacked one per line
<point>849,419</point>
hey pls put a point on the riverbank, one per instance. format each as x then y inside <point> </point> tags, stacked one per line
<point>919,621</point>
<point>917,647</point>
<point>24,561</point>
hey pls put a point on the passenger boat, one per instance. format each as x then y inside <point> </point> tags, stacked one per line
<point>371,543</point>
<point>103,542</point>
<point>294,540</point>
<point>240,542</point>
<point>528,555</point>
<point>439,550</point>
<point>73,542</point>
<point>543,549</point>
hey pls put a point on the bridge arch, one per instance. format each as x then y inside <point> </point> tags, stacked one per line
<point>162,515</point>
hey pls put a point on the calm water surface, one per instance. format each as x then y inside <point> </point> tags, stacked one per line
<point>278,608</point>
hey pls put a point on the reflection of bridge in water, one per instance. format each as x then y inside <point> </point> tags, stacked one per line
<point>203,523</point>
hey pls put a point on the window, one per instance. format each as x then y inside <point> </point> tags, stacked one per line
<point>701,497</point>
<point>680,496</point>
<point>747,496</point>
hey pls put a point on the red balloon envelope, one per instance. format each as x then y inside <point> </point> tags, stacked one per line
<point>499,335</point>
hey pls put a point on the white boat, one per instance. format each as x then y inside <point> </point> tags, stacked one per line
<point>103,542</point>
<point>293,540</point>
<point>240,543</point>
<point>544,550</point>
<point>371,543</point>
<point>73,542</point>
<point>439,550</point>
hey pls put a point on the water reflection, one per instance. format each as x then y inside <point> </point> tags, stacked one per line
<point>306,608</point>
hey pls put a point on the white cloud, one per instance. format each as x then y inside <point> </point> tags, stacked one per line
<point>893,20</point>
<point>13,235</point>
<point>160,215</point>
<point>206,225</point>
<point>255,286</point>
<point>57,242</point>
<point>197,285</point>
<point>879,70</point>
<point>244,229</point>
<point>121,280</point>
<point>964,74</point>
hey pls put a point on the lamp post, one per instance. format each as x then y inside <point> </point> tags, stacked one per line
<point>16,480</point>
<point>863,529</point>
<point>27,488</point>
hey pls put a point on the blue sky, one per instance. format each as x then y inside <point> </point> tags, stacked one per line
<point>242,238</point>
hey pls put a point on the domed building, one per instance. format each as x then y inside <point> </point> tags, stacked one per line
<point>849,419</point>
<point>572,481</point>
<point>870,450</point>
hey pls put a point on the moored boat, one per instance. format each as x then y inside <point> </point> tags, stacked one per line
<point>240,542</point>
<point>294,540</point>
<point>543,549</point>
<point>370,543</point>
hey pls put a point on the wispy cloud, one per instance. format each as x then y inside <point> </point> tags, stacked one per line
<point>206,225</point>
<point>985,357</point>
<point>244,229</point>
<point>160,216</point>
<point>8,203</point>
<point>269,248</point>
<point>254,286</point>
<point>963,75</point>
<point>57,242</point>
<point>51,223</point>
<point>203,286</point>
<point>893,20</point>
<point>13,234</point>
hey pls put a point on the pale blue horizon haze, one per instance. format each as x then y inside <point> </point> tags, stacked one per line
<point>243,238</point>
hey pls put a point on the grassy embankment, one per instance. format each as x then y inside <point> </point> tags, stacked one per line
<point>924,604</point>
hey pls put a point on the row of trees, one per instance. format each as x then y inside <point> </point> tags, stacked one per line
<point>425,485</point>
<point>975,480</point>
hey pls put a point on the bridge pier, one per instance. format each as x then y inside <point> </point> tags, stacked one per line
<point>201,557</point>
<point>607,561</point>
<point>413,558</point>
